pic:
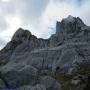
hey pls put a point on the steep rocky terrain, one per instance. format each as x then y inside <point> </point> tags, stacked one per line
<point>61,62</point>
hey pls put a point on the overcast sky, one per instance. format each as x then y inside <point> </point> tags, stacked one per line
<point>39,16</point>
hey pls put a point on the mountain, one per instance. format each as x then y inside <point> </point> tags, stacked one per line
<point>31,63</point>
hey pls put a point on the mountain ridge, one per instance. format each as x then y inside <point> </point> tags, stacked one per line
<point>25,57</point>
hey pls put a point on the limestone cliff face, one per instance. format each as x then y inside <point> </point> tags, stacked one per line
<point>22,41</point>
<point>62,52</point>
<point>69,29</point>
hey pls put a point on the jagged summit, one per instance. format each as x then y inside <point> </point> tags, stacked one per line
<point>69,25</point>
<point>69,19</point>
<point>72,19</point>
<point>66,26</point>
<point>21,34</point>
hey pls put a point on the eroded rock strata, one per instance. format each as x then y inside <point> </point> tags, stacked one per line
<point>31,63</point>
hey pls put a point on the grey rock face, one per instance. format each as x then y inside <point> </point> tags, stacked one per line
<point>66,57</point>
<point>2,84</point>
<point>21,35</point>
<point>37,87</point>
<point>62,52</point>
<point>19,74</point>
<point>18,38</point>
<point>45,83</point>
<point>50,83</point>
<point>22,41</point>
<point>69,25</point>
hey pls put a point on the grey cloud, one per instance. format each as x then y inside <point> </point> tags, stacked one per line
<point>29,10</point>
<point>3,23</point>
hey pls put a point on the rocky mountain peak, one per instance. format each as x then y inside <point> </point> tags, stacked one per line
<point>72,20</point>
<point>69,19</point>
<point>48,64</point>
<point>69,25</point>
<point>21,34</point>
